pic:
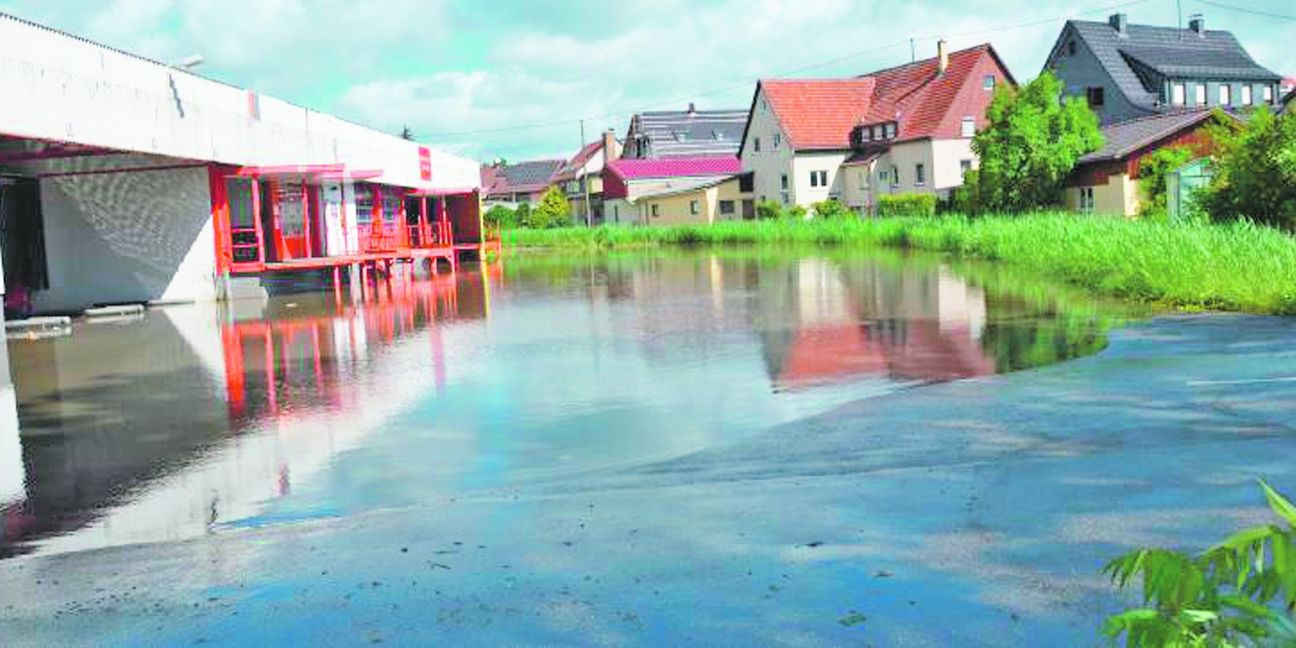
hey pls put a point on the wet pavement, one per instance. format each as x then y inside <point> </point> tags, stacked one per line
<point>635,451</point>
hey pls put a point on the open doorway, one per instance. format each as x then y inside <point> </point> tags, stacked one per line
<point>22,244</point>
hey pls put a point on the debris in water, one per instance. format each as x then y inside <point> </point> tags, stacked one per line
<point>852,619</point>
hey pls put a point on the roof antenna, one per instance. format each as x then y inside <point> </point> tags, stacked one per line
<point>912,56</point>
<point>1179,11</point>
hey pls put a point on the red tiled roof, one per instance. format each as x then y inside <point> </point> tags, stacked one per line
<point>820,114</point>
<point>633,169</point>
<point>574,165</point>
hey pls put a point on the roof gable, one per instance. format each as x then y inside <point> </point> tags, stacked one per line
<point>820,114</point>
<point>530,176</point>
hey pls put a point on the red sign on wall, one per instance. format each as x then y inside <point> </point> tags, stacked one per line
<point>425,163</point>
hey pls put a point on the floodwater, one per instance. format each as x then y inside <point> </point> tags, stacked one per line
<point>192,421</point>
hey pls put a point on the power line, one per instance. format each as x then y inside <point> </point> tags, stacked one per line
<point>812,66</point>
<point>1253,12</point>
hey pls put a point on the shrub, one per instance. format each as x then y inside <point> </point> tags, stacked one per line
<point>906,205</point>
<point>769,210</point>
<point>522,215</point>
<point>794,213</point>
<point>1255,171</point>
<point>1229,595</point>
<point>501,217</point>
<point>553,211</point>
<point>1153,170</point>
<point>831,209</point>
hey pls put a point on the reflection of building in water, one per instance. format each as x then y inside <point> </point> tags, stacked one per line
<point>13,473</point>
<point>160,428</point>
<point>826,322</point>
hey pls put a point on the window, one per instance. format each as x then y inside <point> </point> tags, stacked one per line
<point>783,182</point>
<point>1268,94</point>
<point>1246,95</point>
<point>726,207</point>
<point>693,207</point>
<point>969,126</point>
<point>756,144</point>
<point>1086,199</point>
<point>964,167</point>
<point>746,182</point>
<point>778,139</point>
<point>818,178</point>
<point>1200,92</point>
<point>877,132</point>
<point>655,211</point>
<point>1095,96</point>
<point>988,82</point>
<point>1071,48</point>
<point>895,176</point>
<point>890,130</point>
<point>920,174</point>
<point>1177,94</point>
<point>1226,94</point>
<point>783,193</point>
<point>882,175</point>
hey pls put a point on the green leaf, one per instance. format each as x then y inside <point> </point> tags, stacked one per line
<point>1280,505</point>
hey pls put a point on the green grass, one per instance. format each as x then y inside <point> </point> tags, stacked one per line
<point>1238,267</point>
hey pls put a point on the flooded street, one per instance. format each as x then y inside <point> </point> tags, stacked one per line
<point>187,420</point>
<point>631,449</point>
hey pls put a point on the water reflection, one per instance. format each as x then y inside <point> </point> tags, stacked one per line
<point>191,420</point>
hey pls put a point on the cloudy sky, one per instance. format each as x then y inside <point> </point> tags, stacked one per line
<point>512,78</point>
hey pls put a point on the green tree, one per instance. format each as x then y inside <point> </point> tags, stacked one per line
<point>553,211</point>
<point>1255,171</point>
<point>768,210</point>
<point>1241,592</point>
<point>1153,171</point>
<point>1033,141</point>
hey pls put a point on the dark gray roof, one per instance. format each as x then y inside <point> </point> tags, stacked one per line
<point>1168,51</point>
<point>686,133</point>
<point>525,176</point>
<point>1125,138</point>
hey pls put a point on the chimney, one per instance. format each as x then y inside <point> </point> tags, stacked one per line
<point>610,149</point>
<point>942,57</point>
<point>1119,22</point>
<point>692,109</point>
<point>1197,24</point>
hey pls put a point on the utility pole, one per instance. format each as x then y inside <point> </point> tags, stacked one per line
<point>584,179</point>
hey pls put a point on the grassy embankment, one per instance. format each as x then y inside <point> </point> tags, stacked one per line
<point>1236,267</point>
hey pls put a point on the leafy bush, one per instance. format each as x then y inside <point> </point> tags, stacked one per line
<point>831,209</point>
<point>553,211</point>
<point>523,214</point>
<point>1239,592</point>
<point>906,205</point>
<point>769,210</point>
<point>1255,175</point>
<point>1031,144</point>
<point>795,213</point>
<point>501,217</point>
<point>1153,170</point>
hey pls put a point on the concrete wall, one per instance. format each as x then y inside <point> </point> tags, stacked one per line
<point>127,236</point>
<point>769,164</point>
<point>61,87</point>
<point>1118,197</point>
<point>803,164</point>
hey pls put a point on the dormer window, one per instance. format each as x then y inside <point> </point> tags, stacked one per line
<point>890,130</point>
<point>877,132</point>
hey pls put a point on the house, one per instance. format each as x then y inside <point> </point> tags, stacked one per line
<point>684,133</point>
<point>901,130</point>
<point>678,190</point>
<point>524,182</point>
<point>1106,181</point>
<point>1129,71</point>
<point>581,178</point>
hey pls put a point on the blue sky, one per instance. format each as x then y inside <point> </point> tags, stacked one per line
<point>518,74</point>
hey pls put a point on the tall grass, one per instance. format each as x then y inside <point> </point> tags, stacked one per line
<point>1239,267</point>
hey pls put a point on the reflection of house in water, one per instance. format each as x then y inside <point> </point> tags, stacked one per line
<point>159,428</point>
<point>825,322</point>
